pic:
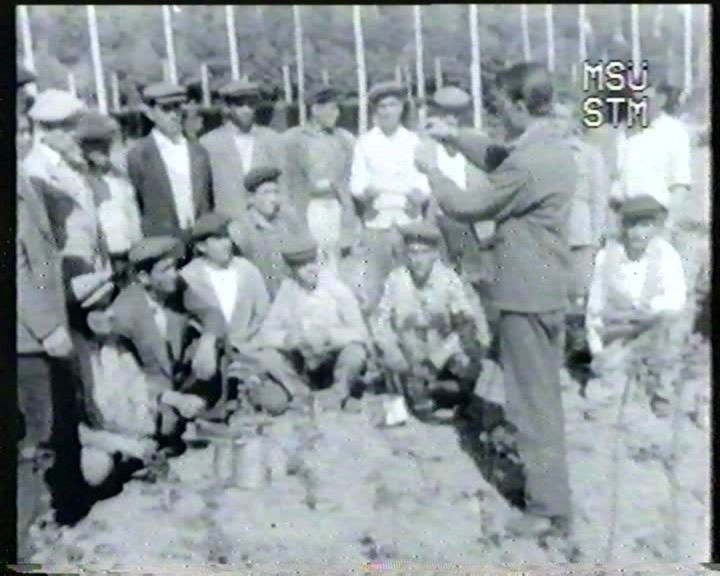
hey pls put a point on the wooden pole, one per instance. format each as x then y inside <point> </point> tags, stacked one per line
<point>97,60</point>
<point>527,52</point>
<point>687,12</point>
<point>325,77</point>
<point>287,84</point>
<point>115,86</point>
<point>232,41</point>
<point>438,73</point>
<point>635,21</point>
<point>300,65</point>
<point>28,56</point>
<point>205,79</point>
<point>475,68</point>
<point>550,32</point>
<point>71,84</point>
<point>361,75</point>
<point>419,64</point>
<point>582,24</point>
<point>169,44</point>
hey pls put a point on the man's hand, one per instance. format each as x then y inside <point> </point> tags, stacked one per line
<point>100,321</point>
<point>188,405</point>
<point>416,201</point>
<point>372,192</point>
<point>204,363</point>
<point>324,187</point>
<point>58,344</point>
<point>425,158</point>
<point>438,129</point>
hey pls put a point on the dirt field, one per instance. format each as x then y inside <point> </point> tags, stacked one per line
<point>346,496</point>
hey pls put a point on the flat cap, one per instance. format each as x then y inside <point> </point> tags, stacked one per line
<point>641,207</point>
<point>92,288</point>
<point>451,98</point>
<point>386,89</point>
<point>152,249</point>
<point>24,76</point>
<point>323,95</point>
<point>420,233</point>
<point>95,126</point>
<point>298,251</point>
<point>208,225</point>
<point>164,92</point>
<point>239,88</point>
<point>55,106</point>
<point>260,175</point>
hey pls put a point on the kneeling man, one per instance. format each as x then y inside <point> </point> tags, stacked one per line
<point>431,332</point>
<point>316,324</point>
<point>638,287</point>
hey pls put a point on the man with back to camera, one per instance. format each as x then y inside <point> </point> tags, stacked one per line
<point>529,199</point>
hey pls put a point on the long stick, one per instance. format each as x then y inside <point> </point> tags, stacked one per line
<point>170,44</point>
<point>205,80</point>
<point>115,86</point>
<point>688,48</point>
<point>582,23</point>
<point>419,64</point>
<point>527,52</point>
<point>71,84</point>
<point>438,73</point>
<point>97,60</point>
<point>232,41</point>
<point>635,20</point>
<point>550,31</point>
<point>361,76</point>
<point>475,68</point>
<point>287,84</point>
<point>300,65</point>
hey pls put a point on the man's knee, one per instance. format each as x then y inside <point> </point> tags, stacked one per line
<point>269,397</point>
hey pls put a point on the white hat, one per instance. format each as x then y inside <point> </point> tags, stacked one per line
<point>55,106</point>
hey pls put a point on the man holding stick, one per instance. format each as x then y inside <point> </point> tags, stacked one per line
<point>529,199</point>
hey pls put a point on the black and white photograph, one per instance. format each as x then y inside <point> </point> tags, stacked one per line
<point>363,289</point>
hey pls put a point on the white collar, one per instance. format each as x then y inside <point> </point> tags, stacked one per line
<point>166,142</point>
<point>401,130</point>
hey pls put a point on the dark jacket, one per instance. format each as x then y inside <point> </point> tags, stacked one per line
<point>149,176</point>
<point>529,199</point>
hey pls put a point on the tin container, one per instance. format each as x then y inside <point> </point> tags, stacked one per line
<point>390,411</point>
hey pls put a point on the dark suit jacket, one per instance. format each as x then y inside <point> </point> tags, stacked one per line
<point>529,199</point>
<point>149,176</point>
<point>157,356</point>
<point>40,294</point>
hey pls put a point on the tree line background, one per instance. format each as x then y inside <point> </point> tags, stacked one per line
<point>133,42</point>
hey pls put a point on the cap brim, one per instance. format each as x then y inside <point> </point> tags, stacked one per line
<point>98,295</point>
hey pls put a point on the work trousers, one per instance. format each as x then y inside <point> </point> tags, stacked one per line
<point>531,352</point>
<point>383,249</point>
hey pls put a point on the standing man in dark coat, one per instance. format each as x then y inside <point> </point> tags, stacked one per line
<point>171,174</point>
<point>43,338</point>
<point>529,199</point>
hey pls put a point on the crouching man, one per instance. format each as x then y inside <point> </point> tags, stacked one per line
<point>638,287</point>
<point>227,299</point>
<point>153,404</point>
<point>431,333</point>
<point>315,324</point>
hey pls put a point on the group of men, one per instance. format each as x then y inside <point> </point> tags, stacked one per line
<point>251,271</point>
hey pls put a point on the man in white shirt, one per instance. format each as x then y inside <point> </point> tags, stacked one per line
<point>638,288</point>
<point>385,181</point>
<point>654,161</point>
<point>171,175</point>
<point>315,323</point>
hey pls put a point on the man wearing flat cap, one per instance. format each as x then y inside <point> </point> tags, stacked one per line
<point>528,197</point>
<point>238,146</point>
<point>171,175</point>
<point>638,289</point>
<point>43,338</point>
<point>319,159</point>
<point>226,297</point>
<point>154,404</point>
<point>430,331</point>
<point>258,234</point>
<point>385,181</point>
<point>115,198</point>
<point>315,323</point>
<point>469,246</point>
